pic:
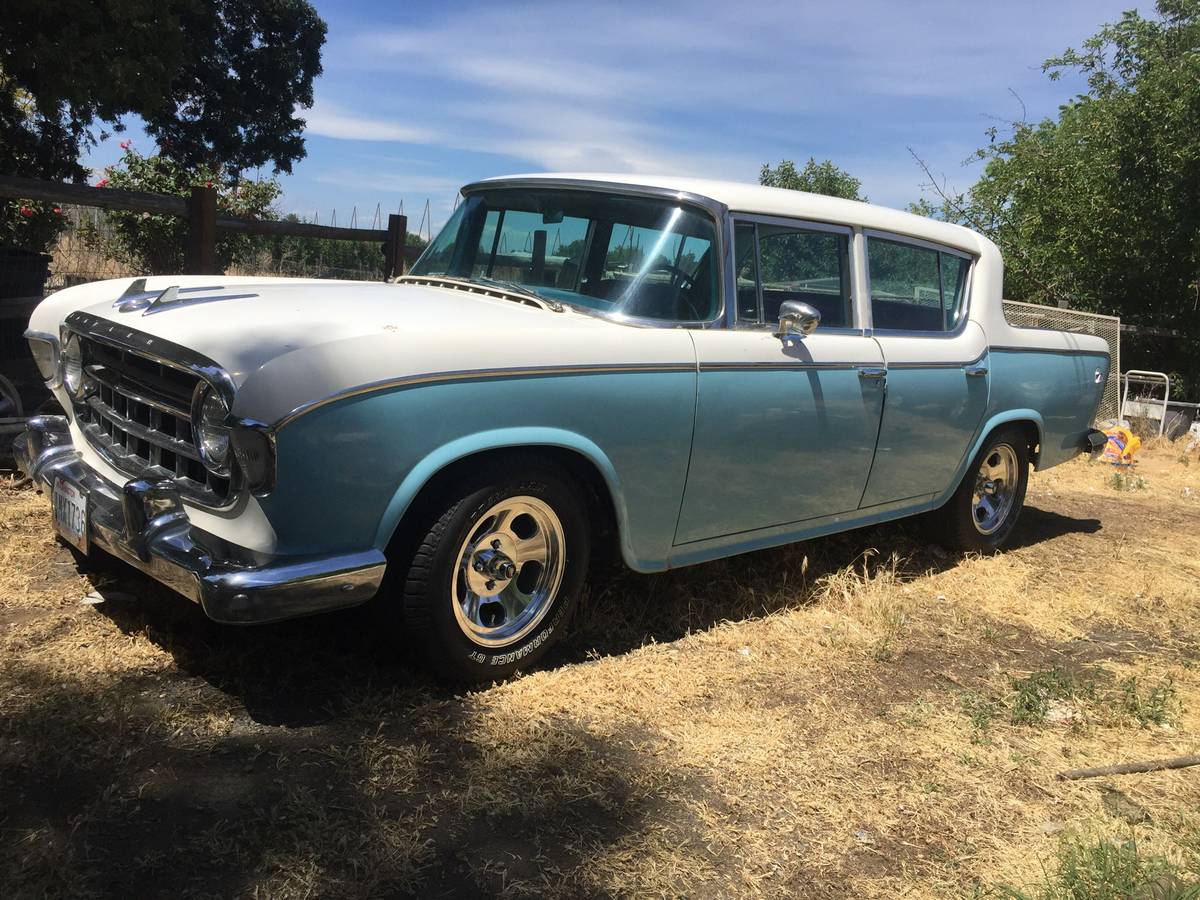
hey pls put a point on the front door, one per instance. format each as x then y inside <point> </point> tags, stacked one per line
<point>937,377</point>
<point>785,428</point>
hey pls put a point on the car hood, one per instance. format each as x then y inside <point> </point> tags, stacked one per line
<point>242,326</point>
<point>288,342</point>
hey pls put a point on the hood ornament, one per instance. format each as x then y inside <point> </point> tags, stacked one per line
<point>136,298</point>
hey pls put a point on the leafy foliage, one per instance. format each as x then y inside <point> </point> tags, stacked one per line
<point>31,144</point>
<point>815,178</point>
<point>1100,207</point>
<point>216,81</point>
<point>155,244</point>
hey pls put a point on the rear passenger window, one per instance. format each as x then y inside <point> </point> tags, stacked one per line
<point>915,288</point>
<point>793,264</point>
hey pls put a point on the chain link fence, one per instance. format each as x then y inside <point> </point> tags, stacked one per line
<point>1030,315</point>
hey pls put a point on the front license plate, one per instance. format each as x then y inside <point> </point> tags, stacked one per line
<point>70,514</point>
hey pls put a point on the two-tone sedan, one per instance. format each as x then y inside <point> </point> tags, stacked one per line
<point>686,369</point>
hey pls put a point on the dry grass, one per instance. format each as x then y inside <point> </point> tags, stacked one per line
<point>863,715</point>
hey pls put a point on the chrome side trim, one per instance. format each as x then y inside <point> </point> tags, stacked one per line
<point>751,366</point>
<point>1066,351</point>
<point>389,384</point>
<point>940,364</point>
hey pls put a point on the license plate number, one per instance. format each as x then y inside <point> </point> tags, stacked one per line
<point>70,514</point>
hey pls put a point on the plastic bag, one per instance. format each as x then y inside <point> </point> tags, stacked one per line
<point>1122,445</point>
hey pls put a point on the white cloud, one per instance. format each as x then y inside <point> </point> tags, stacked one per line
<point>705,88</point>
<point>330,120</point>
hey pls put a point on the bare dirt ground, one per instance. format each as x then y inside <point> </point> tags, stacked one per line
<point>862,715</point>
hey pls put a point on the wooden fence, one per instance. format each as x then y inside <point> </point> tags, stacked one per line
<point>200,210</point>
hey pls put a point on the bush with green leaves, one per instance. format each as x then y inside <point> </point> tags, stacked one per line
<point>1099,207</point>
<point>157,244</point>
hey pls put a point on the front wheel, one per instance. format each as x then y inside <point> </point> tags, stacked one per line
<point>984,510</point>
<point>495,578</point>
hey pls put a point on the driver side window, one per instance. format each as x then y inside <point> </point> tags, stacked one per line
<point>804,264</point>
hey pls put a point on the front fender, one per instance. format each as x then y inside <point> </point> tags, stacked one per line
<point>503,439</point>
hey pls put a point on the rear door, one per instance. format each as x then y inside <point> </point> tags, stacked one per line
<point>937,367</point>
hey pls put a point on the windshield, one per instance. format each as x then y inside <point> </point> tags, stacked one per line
<point>626,256</point>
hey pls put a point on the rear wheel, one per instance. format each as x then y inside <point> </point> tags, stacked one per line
<point>984,509</point>
<point>497,573</point>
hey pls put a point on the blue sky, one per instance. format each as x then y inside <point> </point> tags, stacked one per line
<point>417,99</point>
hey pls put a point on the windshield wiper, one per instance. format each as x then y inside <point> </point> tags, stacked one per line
<point>516,291</point>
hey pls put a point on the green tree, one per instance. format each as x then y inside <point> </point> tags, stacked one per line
<point>1100,206</point>
<point>155,244</point>
<point>815,178</point>
<point>217,82</point>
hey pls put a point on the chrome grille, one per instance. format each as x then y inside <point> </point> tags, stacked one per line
<point>137,413</point>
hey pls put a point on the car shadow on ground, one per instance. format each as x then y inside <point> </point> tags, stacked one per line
<point>297,673</point>
<point>348,759</point>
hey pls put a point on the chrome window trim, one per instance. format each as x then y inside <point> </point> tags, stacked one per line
<point>55,350</point>
<point>756,219</point>
<point>832,329</point>
<point>719,213</point>
<point>898,238</point>
<point>787,222</point>
<point>965,311</point>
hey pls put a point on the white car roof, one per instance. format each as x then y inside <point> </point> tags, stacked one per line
<point>754,198</point>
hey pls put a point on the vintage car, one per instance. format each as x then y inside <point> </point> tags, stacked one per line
<point>674,369</point>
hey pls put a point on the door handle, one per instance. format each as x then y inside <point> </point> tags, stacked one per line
<point>872,372</point>
<point>976,371</point>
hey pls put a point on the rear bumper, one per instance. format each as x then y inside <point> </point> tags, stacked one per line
<point>144,524</point>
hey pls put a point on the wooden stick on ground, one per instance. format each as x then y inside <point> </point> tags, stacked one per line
<point>1153,765</point>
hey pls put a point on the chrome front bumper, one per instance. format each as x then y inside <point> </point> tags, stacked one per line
<point>144,524</point>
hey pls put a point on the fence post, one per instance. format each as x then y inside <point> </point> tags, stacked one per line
<point>202,232</point>
<point>393,247</point>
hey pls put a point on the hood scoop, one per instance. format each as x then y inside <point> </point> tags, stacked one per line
<point>136,298</point>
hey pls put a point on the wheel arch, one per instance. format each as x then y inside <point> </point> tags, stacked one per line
<point>578,455</point>
<point>1028,419</point>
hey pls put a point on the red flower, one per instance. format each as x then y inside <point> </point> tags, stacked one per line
<point>103,182</point>
<point>26,211</point>
<point>125,145</point>
<point>58,210</point>
<point>208,184</point>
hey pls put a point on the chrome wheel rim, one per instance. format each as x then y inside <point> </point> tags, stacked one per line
<point>509,570</point>
<point>995,489</point>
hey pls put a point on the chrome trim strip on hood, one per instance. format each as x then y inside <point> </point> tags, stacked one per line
<point>160,350</point>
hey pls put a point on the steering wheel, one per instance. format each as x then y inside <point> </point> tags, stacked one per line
<point>679,278</point>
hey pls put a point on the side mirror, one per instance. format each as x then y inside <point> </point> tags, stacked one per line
<point>797,319</point>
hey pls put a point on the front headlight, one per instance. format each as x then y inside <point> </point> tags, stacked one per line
<point>72,366</point>
<point>210,413</point>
